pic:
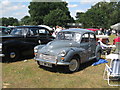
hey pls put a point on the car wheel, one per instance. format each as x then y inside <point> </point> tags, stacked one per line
<point>98,55</point>
<point>38,63</point>
<point>12,55</point>
<point>74,65</point>
<point>40,66</point>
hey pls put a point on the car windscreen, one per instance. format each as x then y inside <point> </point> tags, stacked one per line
<point>98,32</point>
<point>19,31</point>
<point>4,31</point>
<point>68,36</point>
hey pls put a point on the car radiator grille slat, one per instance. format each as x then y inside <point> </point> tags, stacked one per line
<point>47,57</point>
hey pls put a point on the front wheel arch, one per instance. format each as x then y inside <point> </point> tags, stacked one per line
<point>98,55</point>
<point>74,64</point>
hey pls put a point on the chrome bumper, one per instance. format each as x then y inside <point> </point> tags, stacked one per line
<point>53,62</point>
<point>2,55</point>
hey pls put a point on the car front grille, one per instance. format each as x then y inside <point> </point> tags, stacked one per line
<point>47,57</point>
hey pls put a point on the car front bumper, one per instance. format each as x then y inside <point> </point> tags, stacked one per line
<point>52,62</point>
<point>2,55</point>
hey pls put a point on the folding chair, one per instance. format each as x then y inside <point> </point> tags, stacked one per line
<point>112,73</point>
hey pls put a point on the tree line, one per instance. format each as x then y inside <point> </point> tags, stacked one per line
<point>100,15</point>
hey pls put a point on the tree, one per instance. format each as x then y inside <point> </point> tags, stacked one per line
<point>26,20</point>
<point>4,21</point>
<point>56,17</point>
<point>9,21</point>
<point>13,21</point>
<point>102,14</point>
<point>78,14</point>
<point>38,10</point>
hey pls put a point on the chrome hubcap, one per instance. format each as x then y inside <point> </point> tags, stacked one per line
<point>73,65</point>
<point>12,55</point>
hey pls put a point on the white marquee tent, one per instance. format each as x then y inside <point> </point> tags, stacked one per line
<point>116,26</point>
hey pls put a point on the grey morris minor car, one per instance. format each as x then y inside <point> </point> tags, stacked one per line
<point>71,48</point>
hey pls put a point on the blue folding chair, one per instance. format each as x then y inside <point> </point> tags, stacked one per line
<point>112,73</point>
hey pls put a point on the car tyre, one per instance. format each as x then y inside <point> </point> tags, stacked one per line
<point>38,63</point>
<point>74,65</point>
<point>12,55</point>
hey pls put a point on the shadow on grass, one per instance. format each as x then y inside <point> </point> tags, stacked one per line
<point>22,58</point>
<point>64,69</point>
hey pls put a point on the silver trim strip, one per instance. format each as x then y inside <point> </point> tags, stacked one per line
<point>53,62</point>
<point>2,55</point>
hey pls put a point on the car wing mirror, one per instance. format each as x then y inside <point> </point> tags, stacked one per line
<point>39,41</point>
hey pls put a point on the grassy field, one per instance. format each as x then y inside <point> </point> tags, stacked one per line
<point>27,74</point>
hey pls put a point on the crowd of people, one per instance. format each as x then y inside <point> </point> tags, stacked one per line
<point>103,31</point>
<point>108,31</point>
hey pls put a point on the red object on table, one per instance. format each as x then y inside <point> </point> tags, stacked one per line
<point>116,40</point>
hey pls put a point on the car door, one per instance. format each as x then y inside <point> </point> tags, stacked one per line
<point>85,45</point>
<point>49,36</point>
<point>92,45</point>
<point>32,36</point>
<point>43,36</point>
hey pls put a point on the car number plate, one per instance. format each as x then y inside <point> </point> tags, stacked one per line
<point>46,64</point>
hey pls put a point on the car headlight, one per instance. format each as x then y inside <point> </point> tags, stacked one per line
<point>62,53</point>
<point>36,49</point>
<point>0,45</point>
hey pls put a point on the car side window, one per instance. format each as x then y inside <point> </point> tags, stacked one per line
<point>47,32</point>
<point>92,37</point>
<point>85,38</point>
<point>43,31</point>
<point>33,31</point>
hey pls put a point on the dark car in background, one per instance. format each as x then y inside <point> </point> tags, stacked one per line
<point>21,41</point>
<point>4,30</point>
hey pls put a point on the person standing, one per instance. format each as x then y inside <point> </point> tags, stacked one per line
<point>117,39</point>
<point>58,29</point>
<point>105,47</point>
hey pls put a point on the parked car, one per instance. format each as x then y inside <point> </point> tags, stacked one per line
<point>22,40</point>
<point>70,48</point>
<point>11,27</point>
<point>4,30</point>
<point>99,34</point>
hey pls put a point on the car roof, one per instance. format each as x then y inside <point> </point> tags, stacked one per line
<point>79,30</point>
<point>3,27</point>
<point>27,26</point>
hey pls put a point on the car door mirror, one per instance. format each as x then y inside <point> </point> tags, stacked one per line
<point>39,41</point>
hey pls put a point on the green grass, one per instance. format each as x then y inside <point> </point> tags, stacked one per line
<point>28,75</point>
<point>111,38</point>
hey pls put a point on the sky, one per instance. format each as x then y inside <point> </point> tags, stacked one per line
<point>19,8</point>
